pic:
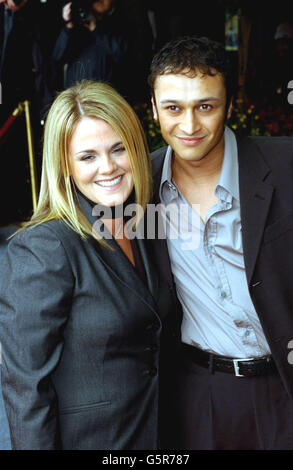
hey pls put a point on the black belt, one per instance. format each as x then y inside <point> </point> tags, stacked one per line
<point>239,367</point>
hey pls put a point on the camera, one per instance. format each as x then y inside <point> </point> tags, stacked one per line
<point>81,12</point>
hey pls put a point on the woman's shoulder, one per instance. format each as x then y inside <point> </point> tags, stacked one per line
<point>52,233</point>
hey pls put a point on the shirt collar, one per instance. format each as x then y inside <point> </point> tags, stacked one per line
<point>229,172</point>
<point>167,170</point>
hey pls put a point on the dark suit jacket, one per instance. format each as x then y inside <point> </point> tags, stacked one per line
<point>266,201</point>
<point>83,340</point>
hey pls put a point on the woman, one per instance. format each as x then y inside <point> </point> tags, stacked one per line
<point>82,314</point>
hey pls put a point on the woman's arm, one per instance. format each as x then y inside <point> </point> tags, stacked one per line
<point>35,297</point>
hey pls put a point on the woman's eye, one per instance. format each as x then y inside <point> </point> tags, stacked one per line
<point>119,150</point>
<point>87,158</point>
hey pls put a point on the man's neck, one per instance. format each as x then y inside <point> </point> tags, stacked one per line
<point>201,172</point>
<point>197,180</point>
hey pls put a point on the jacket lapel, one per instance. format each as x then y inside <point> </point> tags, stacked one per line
<point>255,199</point>
<point>151,273</point>
<point>160,245</point>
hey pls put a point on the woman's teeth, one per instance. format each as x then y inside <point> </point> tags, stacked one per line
<point>110,182</point>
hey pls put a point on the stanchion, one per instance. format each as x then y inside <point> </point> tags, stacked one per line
<point>31,154</point>
<point>24,107</point>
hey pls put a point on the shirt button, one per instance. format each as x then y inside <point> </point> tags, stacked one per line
<point>223,294</point>
<point>247,333</point>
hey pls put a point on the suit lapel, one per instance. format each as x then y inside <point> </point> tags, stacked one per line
<point>151,274</point>
<point>255,199</point>
<point>160,248</point>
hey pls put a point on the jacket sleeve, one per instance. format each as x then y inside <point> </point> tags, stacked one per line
<point>63,45</point>
<point>35,298</point>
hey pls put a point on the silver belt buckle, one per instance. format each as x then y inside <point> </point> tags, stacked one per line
<point>236,366</point>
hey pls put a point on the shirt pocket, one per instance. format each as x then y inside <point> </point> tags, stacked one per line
<point>278,228</point>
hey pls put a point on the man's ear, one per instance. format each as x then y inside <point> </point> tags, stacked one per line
<point>154,106</point>
<point>229,111</point>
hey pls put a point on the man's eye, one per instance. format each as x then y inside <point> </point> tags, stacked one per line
<point>173,108</point>
<point>205,107</point>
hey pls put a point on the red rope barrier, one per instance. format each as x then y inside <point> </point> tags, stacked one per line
<point>6,126</point>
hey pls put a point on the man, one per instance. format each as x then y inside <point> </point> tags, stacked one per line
<point>103,42</point>
<point>234,385</point>
<point>23,65</point>
<point>24,75</point>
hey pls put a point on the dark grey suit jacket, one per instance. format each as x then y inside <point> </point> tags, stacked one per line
<point>266,203</point>
<point>83,342</point>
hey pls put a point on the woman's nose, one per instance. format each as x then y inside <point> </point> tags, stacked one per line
<point>107,165</point>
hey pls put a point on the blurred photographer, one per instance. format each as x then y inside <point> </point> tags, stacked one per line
<point>24,75</point>
<point>91,47</point>
<point>108,40</point>
<point>17,45</point>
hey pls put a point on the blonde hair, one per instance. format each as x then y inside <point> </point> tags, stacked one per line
<point>95,100</point>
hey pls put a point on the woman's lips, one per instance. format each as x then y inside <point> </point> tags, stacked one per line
<point>110,184</point>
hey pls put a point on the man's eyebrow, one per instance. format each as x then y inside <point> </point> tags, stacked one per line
<point>201,100</point>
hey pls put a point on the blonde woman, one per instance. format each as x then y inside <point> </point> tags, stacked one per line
<point>83,312</point>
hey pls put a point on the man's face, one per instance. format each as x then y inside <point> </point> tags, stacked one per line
<point>10,5</point>
<point>192,112</point>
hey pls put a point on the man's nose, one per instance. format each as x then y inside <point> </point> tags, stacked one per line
<point>189,124</point>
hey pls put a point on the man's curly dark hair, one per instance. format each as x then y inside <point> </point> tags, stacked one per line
<point>190,55</point>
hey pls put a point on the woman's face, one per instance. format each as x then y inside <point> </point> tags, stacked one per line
<point>99,164</point>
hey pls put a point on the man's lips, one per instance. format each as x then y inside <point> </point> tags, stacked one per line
<point>190,140</point>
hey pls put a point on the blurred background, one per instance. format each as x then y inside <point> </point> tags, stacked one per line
<point>44,49</point>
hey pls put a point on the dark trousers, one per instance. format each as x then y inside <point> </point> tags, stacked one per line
<point>218,411</point>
